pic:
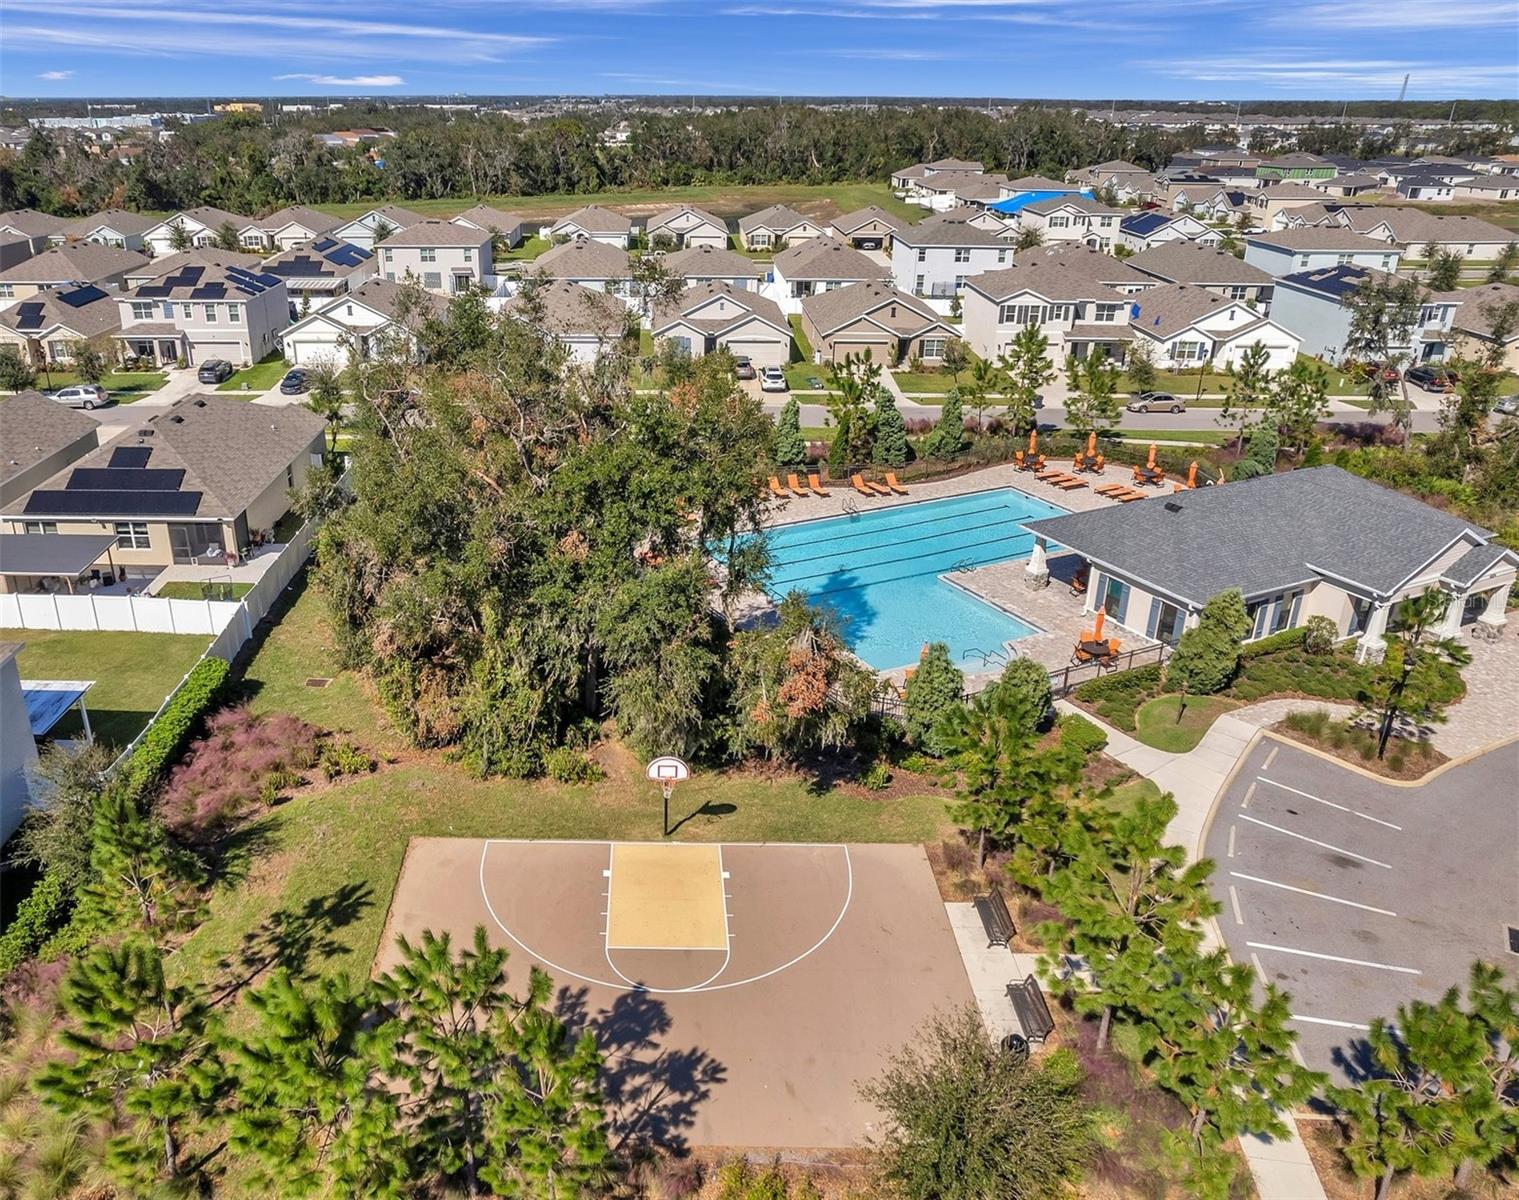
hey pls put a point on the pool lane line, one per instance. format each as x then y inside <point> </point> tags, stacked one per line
<point>1315,842</point>
<point>856,533</point>
<point>864,551</point>
<point>1287,887</point>
<point>790,582</point>
<point>1328,803</point>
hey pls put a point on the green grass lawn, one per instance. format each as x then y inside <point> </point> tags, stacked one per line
<point>800,376</point>
<point>1157,724</point>
<point>187,589</point>
<point>530,249</point>
<point>133,672</point>
<point>260,377</point>
<point>124,386</point>
<point>799,342</point>
<point>1201,437</point>
<point>935,382</point>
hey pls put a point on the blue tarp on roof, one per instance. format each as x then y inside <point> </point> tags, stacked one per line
<point>1023,199</point>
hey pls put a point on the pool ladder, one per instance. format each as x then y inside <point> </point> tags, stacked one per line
<point>987,658</point>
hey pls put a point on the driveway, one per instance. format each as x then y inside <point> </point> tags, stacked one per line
<point>1355,895</point>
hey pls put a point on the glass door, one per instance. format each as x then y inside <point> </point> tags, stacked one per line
<point>188,542</point>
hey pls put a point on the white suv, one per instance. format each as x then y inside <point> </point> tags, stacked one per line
<point>772,379</point>
<point>82,395</point>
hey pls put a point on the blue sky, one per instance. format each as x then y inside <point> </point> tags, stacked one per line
<point>1176,49</point>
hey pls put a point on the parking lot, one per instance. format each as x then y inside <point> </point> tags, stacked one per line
<point>1355,895</point>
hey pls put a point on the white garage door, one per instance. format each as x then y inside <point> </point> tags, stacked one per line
<point>204,351</point>
<point>761,353</point>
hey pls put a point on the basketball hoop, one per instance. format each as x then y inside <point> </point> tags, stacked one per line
<point>667,771</point>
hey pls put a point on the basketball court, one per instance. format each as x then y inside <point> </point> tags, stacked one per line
<point>739,992</point>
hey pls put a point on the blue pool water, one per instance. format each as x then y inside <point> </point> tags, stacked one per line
<point>879,571</point>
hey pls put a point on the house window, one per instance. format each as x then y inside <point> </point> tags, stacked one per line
<point>6,291</point>
<point>1001,256</point>
<point>1237,291</point>
<point>211,317</point>
<point>132,535</point>
<point>234,312</point>
<point>429,254</point>
<point>1387,262</point>
<point>922,254</point>
<point>1343,260</point>
<point>39,526</point>
<point>1107,312</point>
<point>959,282</point>
<point>1060,222</point>
<point>962,254</point>
<point>168,311</point>
<point>469,255</point>
<point>917,285</point>
<point>58,351</point>
<point>1189,351</point>
<point>759,239</point>
<point>142,310</point>
<point>933,348</point>
<point>389,257</point>
<point>432,280</point>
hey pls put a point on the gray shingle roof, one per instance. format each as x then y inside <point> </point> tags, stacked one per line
<point>849,222</point>
<point>839,306</point>
<point>1264,535</point>
<point>1173,307</point>
<point>31,223</point>
<point>662,218</point>
<point>483,216</point>
<point>777,217</point>
<point>937,231</point>
<point>826,258</point>
<point>118,219</point>
<point>197,256</point>
<point>433,231</point>
<point>1478,305</point>
<point>1469,567</point>
<point>1318,237</point>
<point>744,304</point>
<point>710,262</point>
<point>583,259</point>
<point>392,214</point>
<point>571,310</point>
<point>77,262</point>
<point>595,219</point>
<point>1079,274</point>
<point>210,218</point>
<point>1187,262</point>
<point>298,214</point>
<point>88,311</point>
<point>33,428</point>
<point>1079,202</point>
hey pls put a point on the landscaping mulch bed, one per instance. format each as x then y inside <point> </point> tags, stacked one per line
<point>1405,759</point>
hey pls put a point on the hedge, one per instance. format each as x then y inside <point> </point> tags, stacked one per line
<point>1119,683</point>
<point>40,918</point>
<point>1077,731</point>
<point>1276,641</point>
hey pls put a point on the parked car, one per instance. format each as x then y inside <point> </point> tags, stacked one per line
<point>1147,402</point>
<point>1431,379</point>
<point>772,379</point>
<point>1507,406</point>
<point>294,383</point>
<point>743,366</point>
<point>214,370</point>
<point>82,395</point>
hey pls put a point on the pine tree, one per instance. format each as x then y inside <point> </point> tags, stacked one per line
<point>1420,672</point>
<point>1249,384</point>
<point>136,877</point>
<point>790,446</point>
<point>313,1109</point>
<point>1132,902</point>
<point>1382,1137</point>
<point>1298,400</point>
<point>1093,402</point>
<point>934,689</point>
<point>1027,368</point>
<point>141,1053</point>
<point>948,436</point>
<point>891,434</point>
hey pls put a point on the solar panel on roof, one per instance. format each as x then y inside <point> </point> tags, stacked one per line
<point>29,314</point>
<point>214,290</point>
<point>79,297</point>
<point>130,456</point>
<point>126,504</point>
<point>153,290</point>
<point>324,244</point>
<point>134,479</point>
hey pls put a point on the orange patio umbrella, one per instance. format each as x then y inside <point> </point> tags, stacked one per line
<point>1192,474</point>
<point>1102,616</point>
<point>1092,444</point>
<point>1151,463</point>
<point>1033,441</point>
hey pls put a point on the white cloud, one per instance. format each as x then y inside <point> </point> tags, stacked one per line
<point>1301,71</point>
<point>56,75</point>
<point>1405,14</point>
<point>349,80</point>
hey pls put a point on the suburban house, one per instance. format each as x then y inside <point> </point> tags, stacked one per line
<point>44,328</point>
<point>1269,204</point>
<point>685,227</point>
<point>285,229</point>
<point>981,218</point>
<point>875,320</point>
<point>1189,326</point>
<point>371,228</point>
<point>869,228</point>
<point>446,257</point>
<point>584,321</point>
<point>1072,219</point>
<point>1502,188</point>
<point>114,227</point>
<point>1313,542</point>
<point>585,261</point>
<point>207,256</point>
<point>1296,166</point>
<point>718,316</point>
<point>1127,180</point>
<point>39,438</point>
<point>355,323</point>
<point>909,177</point>
<point>818,265</point>
<point>1208,201</point>
<point>775,227</point>
<point>202,313</point>
<point>37,228</point>
<point>320,269</point>
<point>935,257</point>
<point>1312,305</point>
<point>1079,298</point>
<point>1292,250</point>
<point>950,189</point>
<point>1216,270</point>
<point>1144,230</point>
<point>1475,318</point>
<point>713,264</point>
<point>1411,231</point>
<point>190,483</point>
<point>1346,185</point>
<point>510,227</point>
<point>78,262</point>
<point>201,226</point>
<point>595,223</point>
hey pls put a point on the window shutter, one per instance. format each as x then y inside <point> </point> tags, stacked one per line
<point>1124,593</point>
<point>1154,622</point>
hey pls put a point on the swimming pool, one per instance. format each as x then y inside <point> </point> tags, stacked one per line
<point>879,570</point>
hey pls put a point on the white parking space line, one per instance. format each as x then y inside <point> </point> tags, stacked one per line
<point>1315,842</point>
<point>1249,795</point>
<point>1327,1021</point>
<point>1287,887</point>
<point>1255,960</point>
<point>1233,829</point>
<point>1354,962</point>
<point>1328,803</point>
<point>1234,900</point>
<point>1270,758</point>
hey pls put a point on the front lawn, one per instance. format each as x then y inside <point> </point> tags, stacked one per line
<point>804,377</point>
<point>935,382</point>
<point>124,386</point>
<point>1157,723</point>
<point>799,340</point>
<point>133,672</point>
<point>260,377</point>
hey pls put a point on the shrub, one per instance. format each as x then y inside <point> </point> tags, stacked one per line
<point>43,911</point>
<point>339,758</point>
<point>1079,732</point>
<point>1030,679</point>
<point>790,448</point>
<point>242,759</point>
<point>936,687</point>
<point>565,764</point>
<point>1276,642</point>
<point>1319,635</point>
<point>1138,681</point>
<point>1208,654</point>
<point>167,735</point>
<point>875,778</point>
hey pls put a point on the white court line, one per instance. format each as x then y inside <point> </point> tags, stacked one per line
<point>1314,841</point>
<point>1234,900</point>
<point>1327,1021</point>
<point>1233,829</point>
<point>1329,803</point>
<point>1354,962</point>
<point>1287,887</point>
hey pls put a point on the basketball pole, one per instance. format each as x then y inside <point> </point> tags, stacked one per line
<point>665,790</point>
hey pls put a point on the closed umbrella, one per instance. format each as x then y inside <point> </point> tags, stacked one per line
<point>1151,463</point>
<point>1092,444</point>
<point>1033,441</point>
<point>1192,474</point>
<point>1102,615</point>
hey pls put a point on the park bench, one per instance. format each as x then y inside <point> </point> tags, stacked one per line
<point>1032,1012</point>
<point>995,919</point>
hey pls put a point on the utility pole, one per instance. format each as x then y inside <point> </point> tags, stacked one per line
<point>1403,91</point>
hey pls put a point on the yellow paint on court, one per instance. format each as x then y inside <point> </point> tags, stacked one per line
<point>666,897</point>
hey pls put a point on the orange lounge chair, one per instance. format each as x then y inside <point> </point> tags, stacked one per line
<point>891,482</point>
<point>1109,489</point>
<point>816,484</point>
<point>1050,473</point>
<point>1130,497</point>
<point>880,489</point>
<point>777,490</point>
<point>1070,485</point>
<point>859,485</point>
<point>796,487</point>
<point>1097,466</point>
